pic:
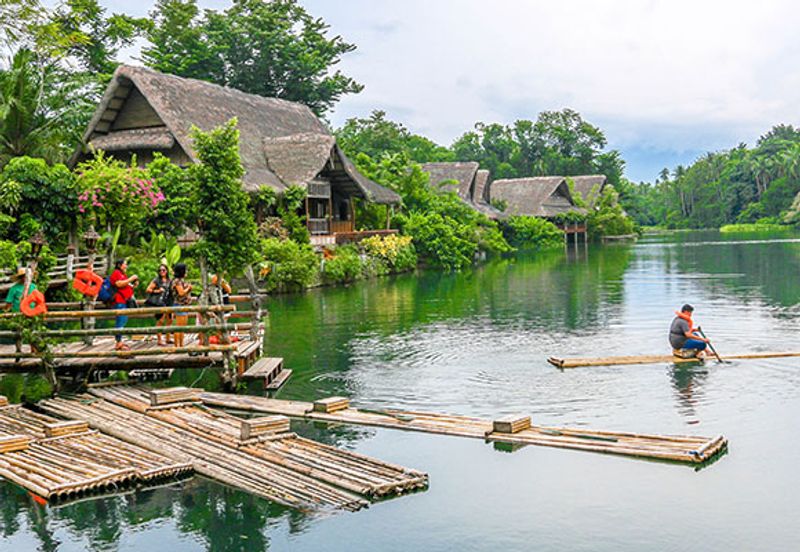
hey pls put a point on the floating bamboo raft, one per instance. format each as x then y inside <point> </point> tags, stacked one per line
<point>269,439</point>
<point>653,359</point>
<point>677,448</point>
<point>283,468</point>
<point>65,460</point>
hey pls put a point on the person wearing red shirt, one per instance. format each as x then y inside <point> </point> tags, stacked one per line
<point>124,285</point>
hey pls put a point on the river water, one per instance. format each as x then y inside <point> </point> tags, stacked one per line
<point>475,343</point>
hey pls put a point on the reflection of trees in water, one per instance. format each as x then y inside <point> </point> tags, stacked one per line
<point>314,331</point>
<point>688,381</point>
<point>226,519</point>
<point>772,268</point>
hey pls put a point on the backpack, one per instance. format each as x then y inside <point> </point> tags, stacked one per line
<point>106,293</point>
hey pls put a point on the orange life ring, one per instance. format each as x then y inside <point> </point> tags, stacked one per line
<point>33,304</point>
<point>87,282</point>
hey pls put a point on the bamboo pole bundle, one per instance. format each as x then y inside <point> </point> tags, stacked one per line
<point>678,448</point>
<point>208,457</point>
<point>54,475</point>
<point>154,330</point>
<point>331,404</point>
<point>655,359</point>
<point>14,443</point>
<point>356,473</point>
<point>153,351</point>
<point>256,427</point>
<point>3,401</point>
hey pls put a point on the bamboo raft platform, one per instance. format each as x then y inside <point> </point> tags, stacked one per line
<point>281,467</point>
<point>676,448</point>
<point>64,461</point>
<point>655,359</point>
<point>270,440</point>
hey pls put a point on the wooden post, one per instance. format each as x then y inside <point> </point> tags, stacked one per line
<point>88,305</point>
<point>352,215</point>
<point>255,299</point>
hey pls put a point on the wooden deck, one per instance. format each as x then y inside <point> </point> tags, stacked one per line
<point>677,448</point>
<point>145,353</point>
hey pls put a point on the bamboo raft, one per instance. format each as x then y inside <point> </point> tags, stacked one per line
<point>677,448</point>
<point>654,359</point>
<point>65,460</point>
<point>270,440</point>
<point>283,468</point>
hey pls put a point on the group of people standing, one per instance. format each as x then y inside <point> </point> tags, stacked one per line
<point>164,290</point>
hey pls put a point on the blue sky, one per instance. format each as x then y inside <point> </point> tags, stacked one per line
<point>666,80</point>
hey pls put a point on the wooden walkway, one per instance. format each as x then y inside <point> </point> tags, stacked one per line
<point>655,359</point>
<point>275,464</point>
<point>677,448</point>
<point>144,354</point>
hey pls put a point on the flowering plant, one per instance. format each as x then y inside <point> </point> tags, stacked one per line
<point>112,193</point>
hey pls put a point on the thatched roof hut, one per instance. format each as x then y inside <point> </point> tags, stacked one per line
<point>541,196</point>
<point>282,143</point>
<point>589,186</point>
<point>465,179</point>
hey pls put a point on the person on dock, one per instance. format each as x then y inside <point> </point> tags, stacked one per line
<point>17,291</point>
<point>182,295</point>
<point>159,295</point>
<point>685,340</point>
<point>123,298</point>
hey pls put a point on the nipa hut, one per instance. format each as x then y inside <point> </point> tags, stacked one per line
<point>282,143</point>
<point>466,180</point>
<point>589,186</point>
<point>541,196</point>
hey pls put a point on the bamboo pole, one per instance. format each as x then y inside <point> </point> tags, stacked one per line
<point>111,313</point>
<point>149,330</point>
<point>155,351</point>
<point>654,359</point>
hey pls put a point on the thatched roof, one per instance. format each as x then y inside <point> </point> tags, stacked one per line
<point>462,172</point>
<point>281,142</point>
<point>586,185</point>
<point>541,196</point>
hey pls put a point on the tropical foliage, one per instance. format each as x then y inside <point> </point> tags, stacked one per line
<point>275,49</point>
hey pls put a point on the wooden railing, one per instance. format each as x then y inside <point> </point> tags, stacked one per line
<point>339,226</point>
<point>62,272</point>
<point>319,226</point>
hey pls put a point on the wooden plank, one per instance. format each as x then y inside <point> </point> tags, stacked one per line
<point>59,429</point>
<point>279,380</point>
<point>264,368</point>
<point>14,443</point>
<point>3,400</point>
<point>255,427</point>
<point>331,404</point>
<point>513,423</point>
<point>172,395</point>
<point>655,359</point>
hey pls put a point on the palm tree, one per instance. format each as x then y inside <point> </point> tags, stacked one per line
<point>42,110</point>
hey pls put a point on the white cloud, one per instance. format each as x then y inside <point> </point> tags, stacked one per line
<point>666,76</point>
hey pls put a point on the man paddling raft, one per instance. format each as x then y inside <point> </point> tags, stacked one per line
<point>685,341</point>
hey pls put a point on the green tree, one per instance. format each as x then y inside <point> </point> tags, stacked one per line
<point>377,136</point>
<point>274,49</point>
<point>229,239</point>
<point>31,189</point>
<point>42,110</point>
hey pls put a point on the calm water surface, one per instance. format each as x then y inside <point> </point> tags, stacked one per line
<point>475,343</point>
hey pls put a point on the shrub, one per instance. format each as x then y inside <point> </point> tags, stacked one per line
<point>287,265</point>
<point>532,233</point>
<point>439,240</point>
<point>344,266</point>
<point>397,252</point>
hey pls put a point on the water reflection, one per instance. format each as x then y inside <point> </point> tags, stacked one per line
<point>475,343</point>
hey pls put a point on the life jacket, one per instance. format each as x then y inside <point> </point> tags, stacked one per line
<point>687,317</point>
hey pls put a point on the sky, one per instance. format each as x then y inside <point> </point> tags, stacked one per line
<point>665,80</point>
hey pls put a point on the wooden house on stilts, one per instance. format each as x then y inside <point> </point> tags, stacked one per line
<point>282,143</point>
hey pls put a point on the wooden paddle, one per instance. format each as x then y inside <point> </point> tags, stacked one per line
<point>710,346</point>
